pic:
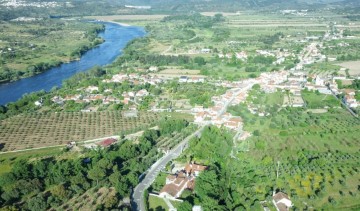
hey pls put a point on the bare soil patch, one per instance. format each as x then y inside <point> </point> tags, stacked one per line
<point>353,66</point>
<point>180,71</point>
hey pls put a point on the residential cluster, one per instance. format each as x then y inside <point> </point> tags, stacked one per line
<point>181,180</point>
<point>135,79</point>
<point>40,4</point>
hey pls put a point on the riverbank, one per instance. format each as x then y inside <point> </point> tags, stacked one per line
<point>116,38</point>
<point>43,45</point>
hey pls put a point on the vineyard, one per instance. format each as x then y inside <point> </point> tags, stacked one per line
<point>47,129</point>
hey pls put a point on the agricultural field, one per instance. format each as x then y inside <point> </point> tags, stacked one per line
<point>28,48</point>
<point>317,151</point>
<point>33,130</point>
<point>353,66</point>
<point>91,199</point>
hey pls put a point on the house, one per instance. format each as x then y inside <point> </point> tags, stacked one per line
<point>192,169</point>
<point>183,79</point>
<point>197,208</point>
<point>201,116</point>
<point>106,142</point>
<point>350,92</point>
<point>153,69</point>
<point>176,183</point>
<point>319,81</point>
<point>205,50</point>
<point>281,201</point>
<point>91,89</point>
<point>142,93</point>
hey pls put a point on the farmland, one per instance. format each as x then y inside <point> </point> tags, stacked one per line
<point>47,129</point>
<point>353,66</point>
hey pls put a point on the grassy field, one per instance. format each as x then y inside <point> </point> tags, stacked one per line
<point>27,48</point>
<point>314,100</point>
<point>40,130</point>
<point>157,204</point>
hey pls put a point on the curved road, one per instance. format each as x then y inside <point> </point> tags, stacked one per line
<point>137,199</point>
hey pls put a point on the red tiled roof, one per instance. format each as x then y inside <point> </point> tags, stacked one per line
<point>107,142</point>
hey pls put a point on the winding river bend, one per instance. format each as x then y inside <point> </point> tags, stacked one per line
<point>116,37</point>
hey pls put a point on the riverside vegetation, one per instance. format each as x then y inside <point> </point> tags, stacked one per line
<point>32,47</point>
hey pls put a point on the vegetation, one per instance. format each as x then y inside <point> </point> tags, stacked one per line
<point>60,180</point>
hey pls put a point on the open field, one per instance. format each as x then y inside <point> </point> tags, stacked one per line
<point>353,66</point>
<point>40,130</point>
<point>157,204</point>
<point>127,17</point>
<point>175,75</point>
<point>179,72</point>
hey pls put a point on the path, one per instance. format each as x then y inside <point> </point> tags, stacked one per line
<point>60,145</point>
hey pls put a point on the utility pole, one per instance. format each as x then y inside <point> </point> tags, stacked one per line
<point>277,170</point>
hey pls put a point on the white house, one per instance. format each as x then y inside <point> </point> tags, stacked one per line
<point>197,208</point>
<point>281,201</point>
<point>319,81</point>
<point>183,79</point>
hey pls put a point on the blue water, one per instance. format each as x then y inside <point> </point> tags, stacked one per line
<point>116,37</point>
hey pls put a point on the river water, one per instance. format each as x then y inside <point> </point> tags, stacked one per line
<point>116,37</point>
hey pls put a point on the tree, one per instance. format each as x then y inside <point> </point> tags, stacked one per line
<point>97,174</point>
<point>59,192</point>
<point>185,206</point>
<point>110,202</point>
<point>37,203</point>
<point>199,60</point>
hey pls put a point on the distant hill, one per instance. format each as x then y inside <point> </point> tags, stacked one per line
<point>112,7</point>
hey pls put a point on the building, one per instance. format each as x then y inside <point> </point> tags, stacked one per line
<point>197,208</point>
<point>184,179</point>
<point>281,201</point>
<point>183,79</point>
<point>107,142</point>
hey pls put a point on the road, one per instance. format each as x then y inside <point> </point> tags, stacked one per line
<point>137,199</point>
<point>344,104</point>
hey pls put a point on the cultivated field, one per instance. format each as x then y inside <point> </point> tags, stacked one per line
<point>41,130</point>
<point>127,17</point>
<point>180,72</point>
<point>89,200</point>
<point>353,66</point>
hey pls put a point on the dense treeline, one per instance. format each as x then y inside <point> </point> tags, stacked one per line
<point>196,20</point>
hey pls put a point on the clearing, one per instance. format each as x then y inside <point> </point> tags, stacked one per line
<point>353,66</point>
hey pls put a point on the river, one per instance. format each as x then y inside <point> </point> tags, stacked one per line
<point>116,37</point>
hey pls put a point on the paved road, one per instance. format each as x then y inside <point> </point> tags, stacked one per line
<point>137,199</point>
